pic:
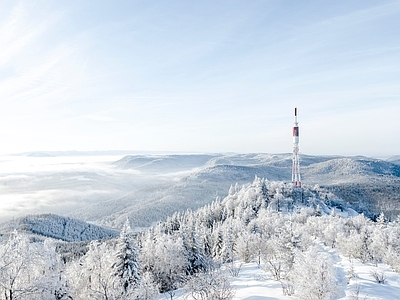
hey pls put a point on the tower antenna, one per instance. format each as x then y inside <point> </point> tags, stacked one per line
<point>296,179</point>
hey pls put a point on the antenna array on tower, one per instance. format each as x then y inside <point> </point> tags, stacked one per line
<point>296,159</point>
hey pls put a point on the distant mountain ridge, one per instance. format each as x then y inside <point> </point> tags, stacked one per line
<point>147,188</point>
<point>159,163</point>
<point>370,185</point>
<point>277,166</point>
<point>349,169</point>
<point>394,159</point>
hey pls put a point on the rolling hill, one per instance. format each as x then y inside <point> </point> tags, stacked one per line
<point>57,227</point>
<point>146,188</point>
<point>180,182</point>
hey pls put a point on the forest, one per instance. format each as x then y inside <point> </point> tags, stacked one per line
<point>281,228</point>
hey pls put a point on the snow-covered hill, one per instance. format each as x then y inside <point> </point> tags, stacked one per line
<point>57,227</point>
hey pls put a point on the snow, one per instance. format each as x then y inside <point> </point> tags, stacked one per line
<point>368,287</point>
<point>253,283</point>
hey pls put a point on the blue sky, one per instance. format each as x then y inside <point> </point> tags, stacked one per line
<point>204,76</point>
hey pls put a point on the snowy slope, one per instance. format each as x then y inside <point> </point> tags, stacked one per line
<point>58,227</point>
<point>253,283</point>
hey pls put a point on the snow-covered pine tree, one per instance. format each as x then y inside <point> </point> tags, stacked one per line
<point>217,242</point>
<point>205,240</point>
<point>197,260</point>
<point>126,266</point>
<point>228,244</point>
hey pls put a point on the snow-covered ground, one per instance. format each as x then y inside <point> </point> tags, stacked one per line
<point>364,285</point>
<point>253,283</point>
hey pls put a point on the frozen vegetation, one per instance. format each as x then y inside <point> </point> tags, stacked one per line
<point>264,240</point>
<point>58,227</point>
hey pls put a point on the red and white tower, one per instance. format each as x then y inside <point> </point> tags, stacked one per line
<point>296,159</point>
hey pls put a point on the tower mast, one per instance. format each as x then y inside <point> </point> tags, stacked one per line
<point>296,180</point>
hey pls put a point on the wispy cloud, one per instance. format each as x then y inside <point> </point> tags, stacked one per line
<point>40,66</point>
<point>92,75</point>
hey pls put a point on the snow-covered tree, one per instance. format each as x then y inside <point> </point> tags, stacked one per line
<point>228,245</point>
<point>25,269</point>
<point>126,267</point>
<point>278,258</point>
<point>194,250</point>
<point>217,243</point>
<point>356,244</point>
<point>314,276</point>
<point>164,256</point>
<point>244,248</point>
<point>92,276</point>
<point>55,277</point>
<point>147,289</point>
<point>211,285</point>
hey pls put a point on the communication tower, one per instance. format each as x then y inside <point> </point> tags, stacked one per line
<point>296,179</point>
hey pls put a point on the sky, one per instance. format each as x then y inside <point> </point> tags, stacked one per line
<point>200,76</point>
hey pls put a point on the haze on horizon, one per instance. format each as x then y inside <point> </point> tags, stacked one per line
<point>200,77</point>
